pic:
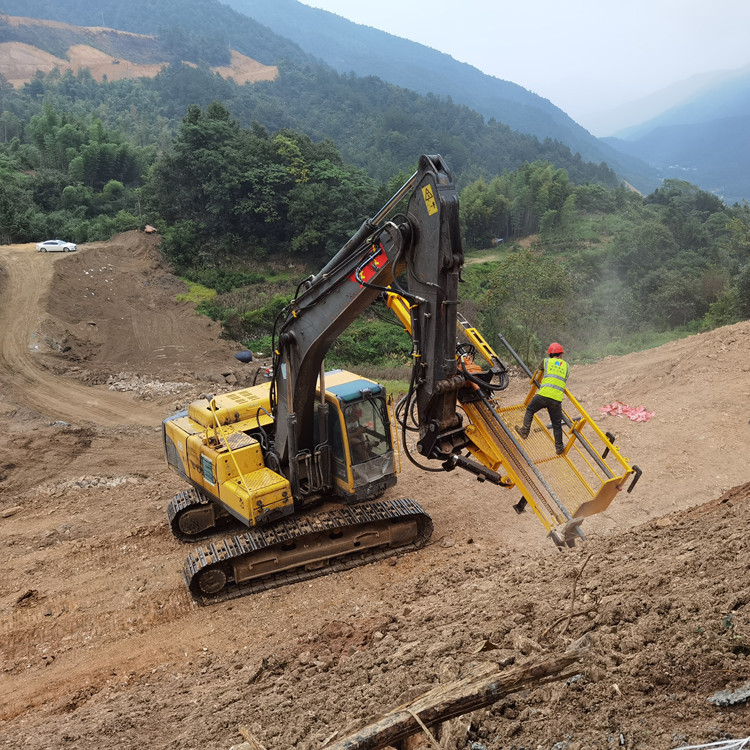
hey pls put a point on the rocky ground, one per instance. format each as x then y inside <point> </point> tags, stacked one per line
<point>102,647</point>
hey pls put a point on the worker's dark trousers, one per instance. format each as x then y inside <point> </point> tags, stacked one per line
<point>554,409</point>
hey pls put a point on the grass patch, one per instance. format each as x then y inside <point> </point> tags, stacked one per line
<point>636,342</point>
<point>489,255</point>
<point>395,388</point>
<point>196,293</point>
<point>394,378</point>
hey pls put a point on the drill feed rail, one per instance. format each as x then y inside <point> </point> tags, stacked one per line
<point>562,489</point>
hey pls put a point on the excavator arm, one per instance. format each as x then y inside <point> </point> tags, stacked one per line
<point>451,403</point>
<point>426,247</point>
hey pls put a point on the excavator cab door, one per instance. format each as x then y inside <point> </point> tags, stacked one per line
<point>359,435</point>
<point>371,464</point>
<point>366,430</point>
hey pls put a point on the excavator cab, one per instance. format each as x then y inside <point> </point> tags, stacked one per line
<point>359,432</point>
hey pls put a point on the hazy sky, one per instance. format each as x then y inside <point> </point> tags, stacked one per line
<point>586,56</point>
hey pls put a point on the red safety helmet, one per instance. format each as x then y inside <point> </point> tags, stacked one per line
<point>555,348</point>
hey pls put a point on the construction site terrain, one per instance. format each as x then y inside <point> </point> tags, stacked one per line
<point>101,645</point>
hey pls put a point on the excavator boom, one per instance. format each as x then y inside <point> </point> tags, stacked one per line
<point>428,245</point>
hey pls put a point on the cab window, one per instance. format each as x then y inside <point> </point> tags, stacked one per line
<point>367,429</point>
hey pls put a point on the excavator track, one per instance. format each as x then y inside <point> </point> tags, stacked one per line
<point>299,549</point>
<point>193,517</point>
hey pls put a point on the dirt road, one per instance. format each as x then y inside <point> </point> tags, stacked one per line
<point>102,647</point>
<point>28,276</point>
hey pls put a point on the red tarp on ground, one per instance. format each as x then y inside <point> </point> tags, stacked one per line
<point>636,413</point>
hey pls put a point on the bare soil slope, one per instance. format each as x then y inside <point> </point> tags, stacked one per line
<point>102,647</point>
<point>105,53</point>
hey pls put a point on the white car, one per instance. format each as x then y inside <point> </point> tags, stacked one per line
<point>56,246</point>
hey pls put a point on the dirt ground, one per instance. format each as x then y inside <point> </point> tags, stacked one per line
<point>102,647</point>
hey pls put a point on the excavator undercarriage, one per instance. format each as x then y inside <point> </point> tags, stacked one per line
<point>298,549</point>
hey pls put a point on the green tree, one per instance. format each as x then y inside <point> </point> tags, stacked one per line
<point>515,204</point>
<point>529,293</point>
<point>76,196</point>
<point>743,292</point>
<point>739,237</point>
<point>670,298</point>
<point>643,248</point>
<point>15,197</point>
<point>485,213</point>
<point>271,194</point>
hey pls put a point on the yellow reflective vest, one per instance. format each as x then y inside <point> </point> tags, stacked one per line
<point>555,375</point>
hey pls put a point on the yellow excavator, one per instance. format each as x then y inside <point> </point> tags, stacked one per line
<point>301,463</point>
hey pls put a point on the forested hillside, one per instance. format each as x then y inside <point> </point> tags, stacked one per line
<point>244,181</point>
<point>377,126</point>
<point>346,47</point>
<point>350,47</point>
<point>200,29</point>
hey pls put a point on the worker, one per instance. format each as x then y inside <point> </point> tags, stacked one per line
<point>549,396</point>
<point>358,443</point>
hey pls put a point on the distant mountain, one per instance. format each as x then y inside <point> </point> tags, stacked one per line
<point>352,48</point>
<point>211,19</point>
<point>705,98</point>
<point>704,140</point>
<point>624,120</point>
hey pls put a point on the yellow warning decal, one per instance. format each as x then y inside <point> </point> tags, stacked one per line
<point>429,200</point>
